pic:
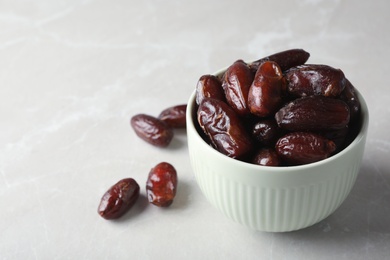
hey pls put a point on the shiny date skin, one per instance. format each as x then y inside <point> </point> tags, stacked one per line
<point>236,83</point>
<point>350,97</point>
<point>174,116</point>
<point>161,185</point>
<point>266,157</point>
<point>314,79</point>
<point>152,130</point>
<point>266,132</point>
<point>299,148</point>
<point>285,59</point>
<point>209,86</point>
<point>313,113</point>
<point>119,199</point>
<point>224,128</point>
<point>265,93</point>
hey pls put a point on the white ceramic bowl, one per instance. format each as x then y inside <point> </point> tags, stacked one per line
<point>274,199</point>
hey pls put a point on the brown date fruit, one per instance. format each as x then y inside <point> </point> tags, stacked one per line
<point>314,79</point>
<point>236,83</point>
<point>266,132</point>
<point>174,116</point>
<point>209,86</point>
<point>161,184</point>
<point>224,128</point>
<point>266,157</point>
<point>338,136</point>
<point>285,59</point>
<point>298,148</point>
<point>119,199</point>
<point>313,113</point>
<point>350,97</point>
<point>152,130</point>
<point>265,93</point>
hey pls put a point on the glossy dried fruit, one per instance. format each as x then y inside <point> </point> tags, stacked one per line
<point>161,184</point>
<point>308,80</point>
<point>224,128</point>
<point>174,116</point>
<point>313,113</point>
<point>209,86</point>
<point>303,147</point>
<point>266,132</point>
<point>119,199</point>
<point>236,83</point>
<point>152,130</point>
<point>350,97</point>
<point>266,157</point>
<point>285,59</point>
<point>265,93</point>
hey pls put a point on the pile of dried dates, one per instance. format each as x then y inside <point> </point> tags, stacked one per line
<point>278,110</point>
<point>162,181</point>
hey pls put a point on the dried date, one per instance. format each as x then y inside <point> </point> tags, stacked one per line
<point>350,97</point>
<point>285,59</point>
<point>209,86</point>
<point>161,184</point>
<point>152,130</point>
<point>236,83</point>
<point>119,199</point>
<point>174,116</point>
<point>265,93</point>
<point>303,147</point>
<point>307,80</point>
<point>266,157</point>
<point>266,132</point>
<point>224,128</point>
<point>313,113</point>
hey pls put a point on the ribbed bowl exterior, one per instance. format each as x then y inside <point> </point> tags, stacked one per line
<point>274,199</point>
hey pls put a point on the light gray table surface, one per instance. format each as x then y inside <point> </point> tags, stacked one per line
<point>72,73</point>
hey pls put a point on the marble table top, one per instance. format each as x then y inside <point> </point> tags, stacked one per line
<point>72,73</point>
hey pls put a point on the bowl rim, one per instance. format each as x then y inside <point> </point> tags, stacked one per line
<point>364,114</point>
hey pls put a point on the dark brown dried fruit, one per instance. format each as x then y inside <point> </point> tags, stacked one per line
<point>338,136</point>
<point>303,147</point>
<point>285,59</point>
<point>350,97</point>
<point>161,184</point>
<point>224,128</point>
<point>174,116</point>
<point>266,157</point>
<point>313,113</point>
<point>152,130</point>
<point>236,83</point>
<point>266,132</point>
<point>265,93</point>
<point>119,199</point>
<point>209,86</point>
<point>307,80</point>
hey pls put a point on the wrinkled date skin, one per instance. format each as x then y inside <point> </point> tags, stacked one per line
<point>265,93</point>
<point>303,147</point>
<point>313,113</point>
<point>236,83</point>
<point>224,128</point>
<point>266,157</point>
<point>174,116</point>
<point>119,199</point>
<point>209,86</point>
<point>152,130</point>
<point>285,59</point>
<point>161,184</point>
<point>307,80</point>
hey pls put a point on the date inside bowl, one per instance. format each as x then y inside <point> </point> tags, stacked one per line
<point>278,110</point>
